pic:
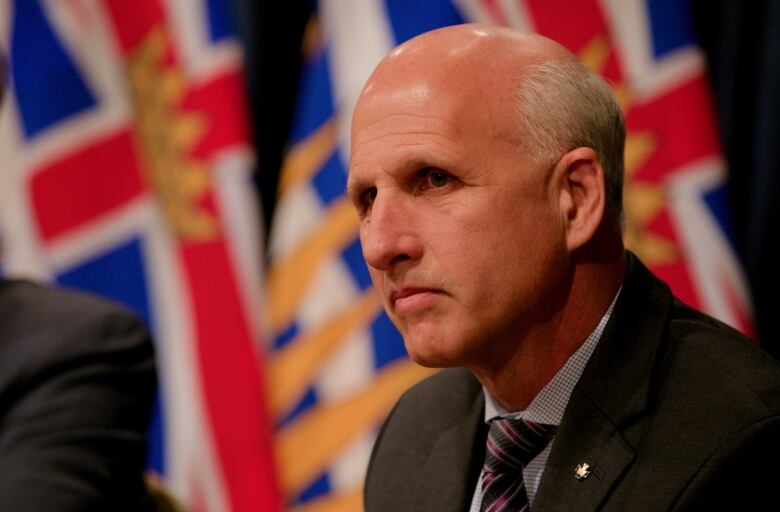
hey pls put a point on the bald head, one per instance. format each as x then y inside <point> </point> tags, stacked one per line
<point>521,87</point>
<point>461,54</point>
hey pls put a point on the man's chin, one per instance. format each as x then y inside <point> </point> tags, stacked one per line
<point>432,353</point>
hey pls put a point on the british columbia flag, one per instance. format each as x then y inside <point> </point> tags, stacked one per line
<point>338,365</point>
<point>125,171</point>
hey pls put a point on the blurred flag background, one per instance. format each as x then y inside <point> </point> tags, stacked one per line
<point>125,169</point>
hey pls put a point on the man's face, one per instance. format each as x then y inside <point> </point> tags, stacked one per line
<point>461,231</point>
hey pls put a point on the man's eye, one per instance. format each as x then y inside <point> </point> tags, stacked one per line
<point>438,178</point>
<point>432,177</point>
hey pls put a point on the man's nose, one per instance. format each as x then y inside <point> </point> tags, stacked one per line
<point>388,236</point>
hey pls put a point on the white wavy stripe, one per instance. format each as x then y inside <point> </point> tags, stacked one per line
<point>349,468</point>
<point>297,214</point>
<point>241,220</point>
<point>330,292</point>
<point>190,458</point>
<point>359,35</point>
<point>712,259</point>
<point>647,77</point>
<point>348,370</point>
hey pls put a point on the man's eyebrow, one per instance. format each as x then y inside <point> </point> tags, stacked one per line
<point>409,165</point>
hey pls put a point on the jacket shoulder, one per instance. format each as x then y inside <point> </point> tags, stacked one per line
<point>20,298</point>
<point>712,422</point>
<point>77,383</point>
<point>730,364</point>
<point>428,408</point>
<point>439,405</point>
<point>42,328</point>
<point>27,308</point>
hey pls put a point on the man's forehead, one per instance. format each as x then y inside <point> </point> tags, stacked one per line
<point>439,90</point>
<point>418,124</point>
<point>407,138</point>
<point>416,99</point>
<point>421,70</point>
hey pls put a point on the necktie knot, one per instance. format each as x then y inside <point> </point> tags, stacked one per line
<point>513,443</point>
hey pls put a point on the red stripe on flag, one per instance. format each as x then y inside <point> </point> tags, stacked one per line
<point>678,276</point>
<point>583,23</point>
<point>231,378</point>
<point>86,184</point>
<point>132,20</point>
<point>682,124</point>
<point>573,23</point>
<point>221,101</point>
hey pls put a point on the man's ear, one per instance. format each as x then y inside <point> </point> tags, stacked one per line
<point>582,195</point>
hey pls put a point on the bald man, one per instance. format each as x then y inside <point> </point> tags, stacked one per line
<point>487,170</point>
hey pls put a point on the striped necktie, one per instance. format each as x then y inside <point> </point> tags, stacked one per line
<point>511,444</point>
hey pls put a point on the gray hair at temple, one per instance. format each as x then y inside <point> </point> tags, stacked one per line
<point>565,105</point>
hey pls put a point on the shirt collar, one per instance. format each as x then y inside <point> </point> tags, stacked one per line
<point>549,404</point>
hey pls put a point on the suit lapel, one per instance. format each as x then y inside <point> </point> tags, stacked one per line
<point>597,443</point>
<point>449,475</point>
<point>604,416</point>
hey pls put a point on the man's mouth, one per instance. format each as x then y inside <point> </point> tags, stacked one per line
<point>412,298</point>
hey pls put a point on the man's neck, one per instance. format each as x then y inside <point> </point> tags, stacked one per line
<point>518,376</point>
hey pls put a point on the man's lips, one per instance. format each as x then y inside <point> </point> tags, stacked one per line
<point>410,298</point>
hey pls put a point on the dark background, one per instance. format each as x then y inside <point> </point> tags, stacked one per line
<point>741,41</point>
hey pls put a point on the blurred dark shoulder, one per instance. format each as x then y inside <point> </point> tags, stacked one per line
<point>28,308</point>
<point>44,329</point>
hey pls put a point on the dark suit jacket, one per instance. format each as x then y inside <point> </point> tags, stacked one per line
<point>76,388</point>
<point>674,411</point>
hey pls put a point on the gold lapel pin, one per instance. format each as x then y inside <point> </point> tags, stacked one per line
<point>582,471</point>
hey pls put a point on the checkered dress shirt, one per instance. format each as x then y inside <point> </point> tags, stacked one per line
<point>547,407</point>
